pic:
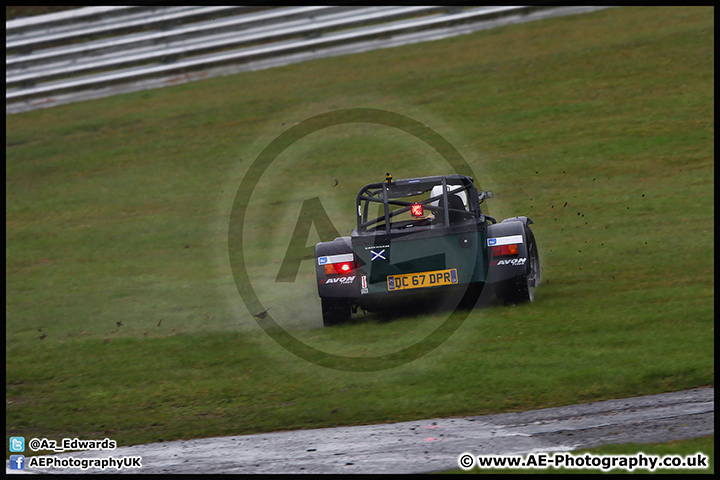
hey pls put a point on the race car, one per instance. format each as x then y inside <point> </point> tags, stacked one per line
<point>424,241</point>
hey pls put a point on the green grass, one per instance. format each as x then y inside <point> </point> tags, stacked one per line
<point>123,317</point>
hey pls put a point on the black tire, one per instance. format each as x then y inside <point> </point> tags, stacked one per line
<point>534,259</point>
<point>521,289</point>
<point>335,311</point>
<point>516,290</point>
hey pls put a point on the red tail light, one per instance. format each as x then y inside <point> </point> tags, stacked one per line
<point>504,250</point>
<point>342,268</point>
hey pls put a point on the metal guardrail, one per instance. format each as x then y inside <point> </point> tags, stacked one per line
<point>90,51</point>
<point>139,51</point>
<point>83,24</point>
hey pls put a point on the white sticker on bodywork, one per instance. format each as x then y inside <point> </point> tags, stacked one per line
<point>492,242</point>
<point>345,257</point>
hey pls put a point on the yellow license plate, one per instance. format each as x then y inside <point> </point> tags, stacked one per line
<point>422,279</point>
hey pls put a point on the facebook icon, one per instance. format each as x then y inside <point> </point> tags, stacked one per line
<point>17,462</point>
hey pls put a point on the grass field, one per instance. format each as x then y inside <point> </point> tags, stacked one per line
<point>123,316</point>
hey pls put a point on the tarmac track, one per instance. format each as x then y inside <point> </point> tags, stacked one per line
<point>427,445</point>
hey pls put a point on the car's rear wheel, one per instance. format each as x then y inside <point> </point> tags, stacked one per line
<point>335,311</point>
<point>515,290</point>
<point>534,259</point>
<point>522,289</point>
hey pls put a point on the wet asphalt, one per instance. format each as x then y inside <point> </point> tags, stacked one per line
<point>424,446</point>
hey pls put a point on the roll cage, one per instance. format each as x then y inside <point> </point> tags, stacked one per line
<point>450,199</point>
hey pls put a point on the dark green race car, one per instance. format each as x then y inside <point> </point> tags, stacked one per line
<point>424,241</point>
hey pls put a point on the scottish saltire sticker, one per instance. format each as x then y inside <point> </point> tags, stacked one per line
<point>377,255</point>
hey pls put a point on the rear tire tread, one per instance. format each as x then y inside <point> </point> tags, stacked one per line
<point>335,311</point>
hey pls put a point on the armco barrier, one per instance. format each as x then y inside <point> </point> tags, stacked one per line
<point>98,51</point>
